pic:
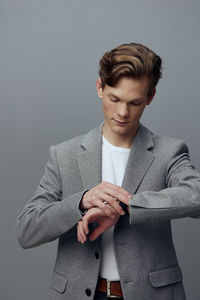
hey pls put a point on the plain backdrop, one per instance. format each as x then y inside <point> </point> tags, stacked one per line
<point>49,58</point>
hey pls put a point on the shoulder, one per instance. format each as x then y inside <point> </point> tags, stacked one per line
<point>72,144</point>
<point>79,143</point>
<point>166,143</point>
<point>68,149</point>
<point>169,143</point>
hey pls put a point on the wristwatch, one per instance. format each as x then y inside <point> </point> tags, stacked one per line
<point>124,207</point>
<point>83,212</point>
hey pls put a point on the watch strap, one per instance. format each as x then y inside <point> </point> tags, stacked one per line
<point>124,207</point>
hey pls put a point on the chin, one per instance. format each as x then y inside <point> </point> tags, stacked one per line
<point>121,130</point>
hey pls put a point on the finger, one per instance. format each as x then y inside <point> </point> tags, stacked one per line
<point>85,225</point>
<point>79,235</point>
<point>115,193</point>
<point>115,208</point>
<point>101,197</point>
<point>77,227</point>
<point>107,209</point>
<point>115,203</point>
<point>116,187</point>
<point>81,231</point>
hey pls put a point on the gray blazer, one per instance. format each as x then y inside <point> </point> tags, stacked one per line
<point>165,186</point>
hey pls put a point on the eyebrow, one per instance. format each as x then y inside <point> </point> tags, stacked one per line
<point>134,100</point>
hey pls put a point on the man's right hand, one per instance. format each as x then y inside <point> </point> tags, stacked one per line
<point>94,215</point>
<point>108,192</point>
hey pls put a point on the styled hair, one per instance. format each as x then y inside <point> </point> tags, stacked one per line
<point>131,60</point>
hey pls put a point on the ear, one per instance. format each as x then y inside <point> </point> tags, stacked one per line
<point>151,97</point>
<point>99,87</point>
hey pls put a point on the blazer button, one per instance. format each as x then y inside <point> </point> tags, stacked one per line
<point>88,292</point>
<point>96,255</point>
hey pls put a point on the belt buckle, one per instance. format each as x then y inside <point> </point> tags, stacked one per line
<point>108,291</point>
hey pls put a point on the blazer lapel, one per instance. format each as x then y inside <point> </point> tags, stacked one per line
<point>90,158</point>
<point>139,161</point>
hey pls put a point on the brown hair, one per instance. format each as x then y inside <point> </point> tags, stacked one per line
<point>130,60</point>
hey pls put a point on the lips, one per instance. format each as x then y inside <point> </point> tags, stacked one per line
<point>120,122</point>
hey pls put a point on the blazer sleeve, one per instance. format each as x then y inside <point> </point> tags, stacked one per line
<point>45,217</point>
<point>180,198</point>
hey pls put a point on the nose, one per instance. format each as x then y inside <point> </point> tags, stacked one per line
<point>123,110</point>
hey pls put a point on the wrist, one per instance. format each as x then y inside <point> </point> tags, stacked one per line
<point>82,208</point>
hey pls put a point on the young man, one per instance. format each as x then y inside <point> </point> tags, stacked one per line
<point>109,195</point>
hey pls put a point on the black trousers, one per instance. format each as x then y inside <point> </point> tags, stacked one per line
<point>102,296</point>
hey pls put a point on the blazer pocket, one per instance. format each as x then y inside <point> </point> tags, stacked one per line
<point>165,276</point>
<point>59,282</point>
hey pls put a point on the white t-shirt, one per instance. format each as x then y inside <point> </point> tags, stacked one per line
<point>114,160</point>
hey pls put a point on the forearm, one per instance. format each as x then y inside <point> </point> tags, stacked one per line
<point>43,220</point>
<point>170,203</point>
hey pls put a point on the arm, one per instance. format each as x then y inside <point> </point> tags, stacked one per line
<point>180,199</point>
<point>45,217</point>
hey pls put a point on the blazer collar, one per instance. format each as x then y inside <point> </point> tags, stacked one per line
<point>139,161</point>
<point>94,136</point>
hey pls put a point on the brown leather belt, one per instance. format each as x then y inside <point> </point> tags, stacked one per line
<point>111,288</point>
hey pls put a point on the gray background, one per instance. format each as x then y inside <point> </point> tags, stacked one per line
<point>49,58</point>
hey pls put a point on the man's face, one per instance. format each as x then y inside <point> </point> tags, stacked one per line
<point>123,106</point>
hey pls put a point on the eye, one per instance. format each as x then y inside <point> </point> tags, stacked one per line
<point>133,103</point>
<point>114,100</point>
